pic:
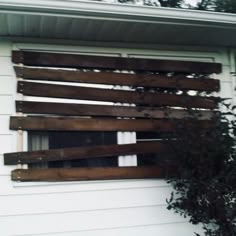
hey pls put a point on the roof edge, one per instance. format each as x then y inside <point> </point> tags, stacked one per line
<point>96,9</point>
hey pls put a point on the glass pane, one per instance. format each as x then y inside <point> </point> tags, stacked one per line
<point>59,139</point>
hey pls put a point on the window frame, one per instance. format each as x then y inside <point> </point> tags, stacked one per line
<point>233,72</point>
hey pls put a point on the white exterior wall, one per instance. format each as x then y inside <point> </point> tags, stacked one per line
<point>87,208</point>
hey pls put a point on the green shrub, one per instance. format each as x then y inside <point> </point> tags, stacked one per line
<point>205,179</point>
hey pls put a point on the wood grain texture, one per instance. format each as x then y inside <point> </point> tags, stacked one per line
<point>180,82</point>
<point>84,152</point>
<point>96,124</point>
<point>70,109</point>
<point>112,95</point>
<point>89,173</point>
<point>117,63</point>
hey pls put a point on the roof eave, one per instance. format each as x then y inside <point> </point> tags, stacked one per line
<point>124,12</point>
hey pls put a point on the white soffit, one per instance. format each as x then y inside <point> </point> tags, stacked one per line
<point>100,21</point>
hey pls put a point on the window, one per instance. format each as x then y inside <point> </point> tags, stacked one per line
<point>81,138</point>
<point>60,140</point>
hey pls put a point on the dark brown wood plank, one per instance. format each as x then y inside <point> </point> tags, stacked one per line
<point>98,124</point>
<point>136,80</point>
<point>90,173</point>
<point>101,62</point>
<point>83,152</point>
<point>70,109</point>
<point>112,95</point>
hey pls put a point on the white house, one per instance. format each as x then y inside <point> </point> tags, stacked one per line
<point>103,207</point>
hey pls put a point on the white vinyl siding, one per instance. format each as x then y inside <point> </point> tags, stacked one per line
<point>7,95</point>
<point>87,208</point>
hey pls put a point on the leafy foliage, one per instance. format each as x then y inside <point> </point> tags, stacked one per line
<point>171,3</point>
<point>225,6</point>
<point>217,5</point>
<point>162,3</point>
<point>205,180</point>
<point>204,5</point>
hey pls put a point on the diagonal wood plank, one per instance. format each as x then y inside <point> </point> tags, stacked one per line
<point>90,173</point>
<point>112,95</point>
<point>97,124</point>
<point>84,152</point>
<point>117,63</point>
<point>71,109</point>
<point>136,80</point>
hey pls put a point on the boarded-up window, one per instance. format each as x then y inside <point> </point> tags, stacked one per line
<point>79,134</point>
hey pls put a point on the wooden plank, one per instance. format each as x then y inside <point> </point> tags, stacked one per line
<point>116,63</point>
<point>112,95</point>
<point>89,173</point>
<point>98,124</point>
<point>70,109</point>
<point>180,82</point>
<point>83,152</point>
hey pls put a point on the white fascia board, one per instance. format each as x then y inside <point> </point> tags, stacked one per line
<point>113,11</point>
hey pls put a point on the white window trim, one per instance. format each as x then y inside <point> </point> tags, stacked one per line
<point>233,72</point>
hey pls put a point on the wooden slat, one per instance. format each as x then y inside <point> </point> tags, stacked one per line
<point>136,80</point>
<point>99,62</point>
<point>111,95</point>
<point>70,109</point>
<point>83,152</point>
<point>84,124</point>
<point>90,173</point>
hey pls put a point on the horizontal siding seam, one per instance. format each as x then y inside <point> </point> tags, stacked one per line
<point>6,133</point>
<point>77,211</point>
<point>82,183</point>
<point>79,191</point>
<point>4,175</point>
<point>99,229</point>
<point>5,94</point>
